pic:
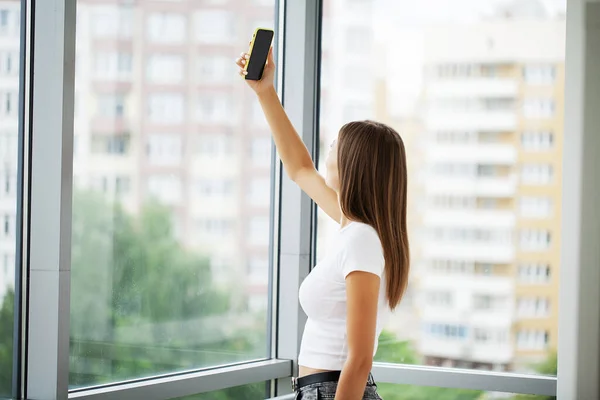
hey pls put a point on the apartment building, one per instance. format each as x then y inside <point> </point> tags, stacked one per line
<point>160,113</point>
<point>483,132</point>
<point>9,110</point>
<point>493,129</point>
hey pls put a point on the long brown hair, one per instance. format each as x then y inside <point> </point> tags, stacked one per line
<point>373,185</point>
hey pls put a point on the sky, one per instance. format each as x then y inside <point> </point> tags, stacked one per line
<point>404,21</point>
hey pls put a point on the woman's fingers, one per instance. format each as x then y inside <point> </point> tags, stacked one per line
<point>242,60</point>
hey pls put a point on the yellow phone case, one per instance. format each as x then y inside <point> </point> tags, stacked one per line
<point>252,43</point>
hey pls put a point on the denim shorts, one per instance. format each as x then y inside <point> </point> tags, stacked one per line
<point>326,391</point>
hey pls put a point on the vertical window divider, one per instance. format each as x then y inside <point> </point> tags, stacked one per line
<point>579,293</point>
<point>49,253</point>
<point>300,55</point>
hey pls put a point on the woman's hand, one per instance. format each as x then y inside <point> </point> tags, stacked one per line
<point>266,82</point>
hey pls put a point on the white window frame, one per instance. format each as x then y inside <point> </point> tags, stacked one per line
<point>48,231</point>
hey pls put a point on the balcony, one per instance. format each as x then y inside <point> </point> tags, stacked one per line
<point>492,253</point>
<point>494,352</point>
<point>475,87</point>
<point>467,285</point>
<point>491,352</point>
<point>472,153</point>
<point>469,218</point>
<point>472,186</point>
<point>437,120</point>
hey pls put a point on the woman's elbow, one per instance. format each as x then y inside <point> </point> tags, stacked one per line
<point>361,363</point>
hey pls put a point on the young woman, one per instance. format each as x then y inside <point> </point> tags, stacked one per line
<point>349,295</point>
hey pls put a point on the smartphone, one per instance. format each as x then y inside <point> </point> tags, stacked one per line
<point>259,50</point>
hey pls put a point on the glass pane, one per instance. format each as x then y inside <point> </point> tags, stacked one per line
<point>170,255</point>
<point>410,392</point>
<point>254,391</point>
<point>10,19</point>
<point>475,88</point>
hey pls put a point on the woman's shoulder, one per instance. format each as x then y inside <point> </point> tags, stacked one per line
<point>357,230</point>
<point>360,235</point>
<point>361,249</point>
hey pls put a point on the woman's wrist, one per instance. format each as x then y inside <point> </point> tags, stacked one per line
<point>266,92</point>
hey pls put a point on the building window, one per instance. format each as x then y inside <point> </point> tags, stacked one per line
<point>537,141</point>
<point>215,69</point>
<point>258,267</point>
<point>455,137</point>
<point>441,299</point>
<point>214,26</point>
<point>260,151</point>
<point>165,27</point>
<point>535,207</point>
<point>9,63</point>
<point>165,68</point>
<point>535,240</point>
<point>483,302</point>
<point>166,108</point>
<point>112,21</point>
<point>9,22</point>
<point>538,108</point>
<point>110,144</point>
<point>531,339</point>
<point>214,145</point>
<point>487,236</point>
<point>215,108</point>
<point>111,105</point>
<point>451,266</point>
<point>453,202</point>
<point>455,169</point>
<point>539,74</point>
<point>113,65</point>
<point>7,183</point>
<point>447,331</point>
<point>215,187</point>
<point>7,225</point>
<point>259,191</point>
<point>534,273</point>
<point>215,226</point>
<point>122,185</point>
<point>9,105</point>
<point>258,116</point>
<point>164,149</point>
<point>258,230</point>
<point>166,188</point>
<point>536,174</point>
<point>533,307</point>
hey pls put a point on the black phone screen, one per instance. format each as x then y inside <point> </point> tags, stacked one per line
<point>258,56</point>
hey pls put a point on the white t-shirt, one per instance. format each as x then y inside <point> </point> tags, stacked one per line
<point>323,296</point>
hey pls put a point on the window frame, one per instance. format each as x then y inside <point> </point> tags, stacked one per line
<point>47,224</point>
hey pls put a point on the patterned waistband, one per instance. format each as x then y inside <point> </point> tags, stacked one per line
<point>323,377</point>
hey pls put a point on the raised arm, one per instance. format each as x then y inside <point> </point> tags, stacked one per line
<point>292,151</point>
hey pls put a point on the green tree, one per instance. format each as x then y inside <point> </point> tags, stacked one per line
<point>6,342</point>
<point>141,304</point>
<point>394,351</point>
<point>547,367</point>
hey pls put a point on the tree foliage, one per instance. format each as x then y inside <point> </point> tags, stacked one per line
<point>392,350</point>
<point>6,342</point>
<point>141,304</point>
